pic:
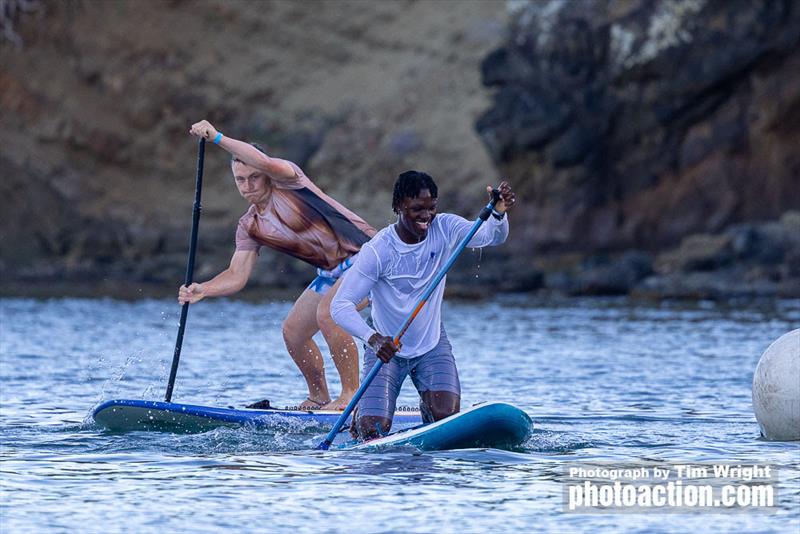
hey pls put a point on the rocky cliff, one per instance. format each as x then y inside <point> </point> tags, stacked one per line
<point>652,144</point>
<point>635,124</point>
<point>96,99</point>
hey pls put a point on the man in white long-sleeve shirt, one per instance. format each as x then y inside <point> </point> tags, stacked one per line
<point>394,269</point>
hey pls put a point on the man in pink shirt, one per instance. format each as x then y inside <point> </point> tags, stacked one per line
<point>290,214</point>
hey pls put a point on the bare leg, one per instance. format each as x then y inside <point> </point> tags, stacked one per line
<point>370,427</point>
<point>440,404</point>
<point>343,350</point>
<point>298,329</point>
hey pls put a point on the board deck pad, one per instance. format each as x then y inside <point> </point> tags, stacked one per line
<point>495,425</point>
<point>133,414</point>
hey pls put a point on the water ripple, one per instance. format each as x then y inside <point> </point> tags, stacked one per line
<point>605,380</point>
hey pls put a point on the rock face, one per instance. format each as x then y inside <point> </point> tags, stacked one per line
<point>652,145</point>
<point>747,260</point>
<point>634,124</point>
<point>96,99</point>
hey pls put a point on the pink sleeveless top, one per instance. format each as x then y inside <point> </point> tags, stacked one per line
<point>303,222</point>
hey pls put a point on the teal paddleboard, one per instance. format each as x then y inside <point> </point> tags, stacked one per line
<point>495,425</point>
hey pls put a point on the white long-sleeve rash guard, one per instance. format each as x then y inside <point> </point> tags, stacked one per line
<point>395,275</point>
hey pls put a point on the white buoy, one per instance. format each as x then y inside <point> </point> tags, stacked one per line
<point>776,389</point>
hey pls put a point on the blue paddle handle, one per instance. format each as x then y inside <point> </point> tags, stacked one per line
<point>482,217</point>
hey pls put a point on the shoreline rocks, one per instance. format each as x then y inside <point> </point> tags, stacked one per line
<point>753,260</point>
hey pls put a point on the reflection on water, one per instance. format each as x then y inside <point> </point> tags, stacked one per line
<point>604,380</point>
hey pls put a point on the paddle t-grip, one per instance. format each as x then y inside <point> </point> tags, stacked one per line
<point>487,210</point>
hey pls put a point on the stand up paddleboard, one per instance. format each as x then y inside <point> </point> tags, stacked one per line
<point>124,415</point>
<point>494,425</point>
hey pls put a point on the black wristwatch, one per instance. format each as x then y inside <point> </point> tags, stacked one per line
<point>497,215</point>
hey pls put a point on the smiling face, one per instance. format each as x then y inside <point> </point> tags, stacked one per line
<point>253,185</point>
<point>416,215</point>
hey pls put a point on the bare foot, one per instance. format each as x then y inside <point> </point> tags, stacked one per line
<point>338,404</point>
<point>309,404</point>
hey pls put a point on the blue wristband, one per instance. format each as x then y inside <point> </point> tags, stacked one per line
<point>217,138</point>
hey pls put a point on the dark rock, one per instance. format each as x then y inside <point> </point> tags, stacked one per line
<point>488,271</point>
<point>572,147</point>
<point>612,276</point>
<point>162,268</point>
<point>746,260</point>
<point>716,285</point>
<point>767,243</point>
<point>753,243</point>
<point>519,122</point>
<point>560,282</point>
<point>667,115</point>
<point>697,253</point>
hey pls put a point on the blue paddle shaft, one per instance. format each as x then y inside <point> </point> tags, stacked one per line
<point>482,217</point>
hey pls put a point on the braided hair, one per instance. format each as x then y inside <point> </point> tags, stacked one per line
<point>409,185</point>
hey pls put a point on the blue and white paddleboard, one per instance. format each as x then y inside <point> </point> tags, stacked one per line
<point>123,415</point>
<point>495,425</point>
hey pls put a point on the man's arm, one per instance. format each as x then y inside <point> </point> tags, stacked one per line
<point>494,231</point>
<point>248,154</point>
<point>344,307</point>
<point>354,289</point>
<point>227,282</point>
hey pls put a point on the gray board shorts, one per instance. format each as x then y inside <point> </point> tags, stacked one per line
<point>433,371</point>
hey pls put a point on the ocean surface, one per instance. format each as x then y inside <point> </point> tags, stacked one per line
<point>605,380</point>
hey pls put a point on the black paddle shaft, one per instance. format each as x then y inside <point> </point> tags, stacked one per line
<point>201,152</point>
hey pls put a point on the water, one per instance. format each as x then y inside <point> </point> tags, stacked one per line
<point>604,380</point>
